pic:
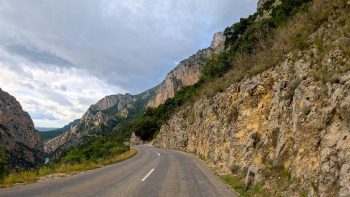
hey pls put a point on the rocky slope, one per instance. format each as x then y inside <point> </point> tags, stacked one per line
<point>18,137</point>
<point>187,72</point>
<point>99,115</point>
<point>47,135</point>
<point>284,129</point>
<point>91,124</point>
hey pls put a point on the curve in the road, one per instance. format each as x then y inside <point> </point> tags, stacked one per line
<point>152,172</point>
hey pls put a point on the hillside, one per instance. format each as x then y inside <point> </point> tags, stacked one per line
<point>20,144</point>
<point>276,121</point>
<point>47,135</point>
<point>114,112</point>
<point>267,105</point>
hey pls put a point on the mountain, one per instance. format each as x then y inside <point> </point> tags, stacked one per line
<point>22,143</point>
<point>112,110</point>
<point>44,129</point>
<point>282,124</point>
<point>90,124</point>
<point>48,134</point>
<point>187,73</point>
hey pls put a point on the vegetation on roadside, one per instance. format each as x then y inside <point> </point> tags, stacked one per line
<point>237,184</point>
<point>4,169</point>
<point>62,167</point>
<point>101,147</point>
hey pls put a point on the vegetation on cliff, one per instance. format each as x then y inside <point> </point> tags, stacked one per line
<point>282,124</point>
<point>252,45</point>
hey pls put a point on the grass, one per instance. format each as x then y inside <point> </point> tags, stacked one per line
<point>33,176</point>
<point>237,185</point>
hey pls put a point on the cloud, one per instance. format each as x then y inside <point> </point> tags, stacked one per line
<point>69,53</point>
<point>37,56</point>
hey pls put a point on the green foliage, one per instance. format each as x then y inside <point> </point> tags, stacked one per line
<point>4,169</point>
<point>216,66</point>
<point>74,156</point>
<point>145,127</point>
<point>237,184</point>
<point>287,8</point>
<point>96,149</point>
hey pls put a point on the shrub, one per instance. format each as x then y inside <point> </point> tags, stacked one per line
<point>4,169</point>
<point>74,156</point>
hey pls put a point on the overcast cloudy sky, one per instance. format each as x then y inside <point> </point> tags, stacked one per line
<point>57,57</point>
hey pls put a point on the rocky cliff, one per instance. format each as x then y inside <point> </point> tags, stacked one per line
<point>17,135</point>
<point>187,72</point>
<point>100,115</point>
<point>284,129</point>
<point>257,123</point>
<point>92,123</point>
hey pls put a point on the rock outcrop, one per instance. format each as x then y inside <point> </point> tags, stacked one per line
<point>284,129</point>
<point>187,72</point>
<point>18,137</point>
<point>257,123</point>
<point>91,124</point>
<point>135,140</point>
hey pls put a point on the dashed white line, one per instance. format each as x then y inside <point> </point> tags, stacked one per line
<point>158,154</point>
<point>147,175</point>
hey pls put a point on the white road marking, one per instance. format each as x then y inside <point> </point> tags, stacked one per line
<point>147,175</point>
<point>158,154</point>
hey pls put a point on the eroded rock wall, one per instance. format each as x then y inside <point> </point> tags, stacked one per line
<point>18,136</point>
<point>187,73</point>
<point>285,127</point>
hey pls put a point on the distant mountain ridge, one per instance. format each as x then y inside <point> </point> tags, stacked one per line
<point>106,113</point>
<point>45,129</point>
<point>49,134</point>
<point>99,118</point>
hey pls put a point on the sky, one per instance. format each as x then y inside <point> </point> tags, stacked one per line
<point>57,57</point>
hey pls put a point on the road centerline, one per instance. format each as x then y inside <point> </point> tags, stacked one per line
<point>147,175</point>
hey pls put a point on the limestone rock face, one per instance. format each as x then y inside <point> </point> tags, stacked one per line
<point>96,117</point>
<point>18,136</point>
<point>282,128</point>
<point>308,133</point>
<point>134,140</point>
<point>187,72</point>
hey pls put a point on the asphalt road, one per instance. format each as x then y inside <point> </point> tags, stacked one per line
<point>152,172</point>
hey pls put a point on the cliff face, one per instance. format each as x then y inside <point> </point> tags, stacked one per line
<point>253,125</point>
<point>283,129</point>
<point>187,72</point>
<point>90,124</point>
<point>17,135</point>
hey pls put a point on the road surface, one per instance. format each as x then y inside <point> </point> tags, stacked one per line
<point>152,172</point>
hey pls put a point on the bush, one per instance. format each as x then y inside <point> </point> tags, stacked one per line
<point>145,127</point>
<point>74,156</point>
<point>4,169</point>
